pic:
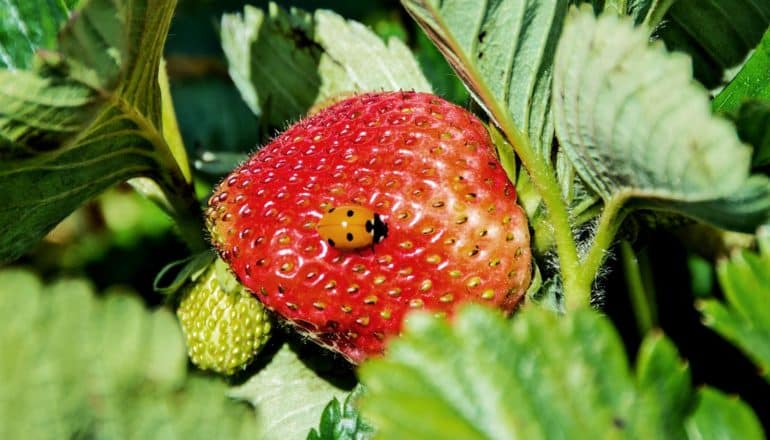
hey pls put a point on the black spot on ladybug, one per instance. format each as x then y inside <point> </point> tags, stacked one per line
<point>349,236</point>
<point>331,242</point>
<point>369,226</point>
<point>331,210</point>
<point>350,213</point>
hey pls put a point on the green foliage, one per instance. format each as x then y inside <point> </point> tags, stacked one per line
<point>88,116</point>
<point>750,82</point>
<point>89,106</point>
<point>721,417</point>
<point>77,365</point>
<point>747,100</point>
<point>649,12</point>
<point>753,122</point>
<point>323,55</point>
<point>440,74</point>
<point>503,51</point>
<point>636,127</point>
<point>716,34</point>
<point>288,396</point>
<point>663,381</point>
<point>343,422</point>
<point>542,376</point>
<point>745,319</point>
<point>26,26</point>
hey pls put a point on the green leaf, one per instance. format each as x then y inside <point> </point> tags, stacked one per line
<point>438,71</point>
<point>716,34</point>
<point>177,273</point>
<point>357,60</point>
<point>743,210</point>
<point>285,62</point>
<point>231,128</point>
<point>636,127</point>
<point>540,376</point>
<point>649,12</point>
<point>744,319</point>
<point>26,26</point>
<point>503,50</point>
<point>288,396</point>
<point>750,82</point>
<point>343,421</point>
<point>665,380</point>
<point>88,116</point>
<point>81,365</point>
<point>753,122</point>
<point>747,100</point>
<point>722,417</point>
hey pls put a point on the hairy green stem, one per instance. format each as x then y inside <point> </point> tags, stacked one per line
<point>544,180</point>
<point>636,269</point>
<point>609,222</point>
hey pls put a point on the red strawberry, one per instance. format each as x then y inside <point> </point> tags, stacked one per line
<point>427,167</point>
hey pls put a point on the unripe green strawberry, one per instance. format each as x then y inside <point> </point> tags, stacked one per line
<point>224,325</point>
<point>422,199</point>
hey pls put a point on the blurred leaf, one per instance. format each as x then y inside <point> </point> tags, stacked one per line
<point>213,117</point>
<point>219,163</point>
<point>26,26</point>
<point>753,122</point>
<point>649,12</point>
<point>664,379</point>
<point>343,422</point>
<point>288,396</point>
<point>744,319</point>
<point>81,366</point>
<point>444,80</point>
<point>716,34</point>
<point>315,56</point>
<point>540,376</point>
<point>720,417</point>
<point>386,23</point>
<point>503,50</point>
<point>751,81</point>
<point>131,217</point>
<point>88,116</point>
<point>636,127</point>
<point>701,275</point>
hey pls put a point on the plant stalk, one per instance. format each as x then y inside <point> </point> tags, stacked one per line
<point>636,269</point>
<point>546,184</point>
<point>609,223</point>
<point>172,189</point>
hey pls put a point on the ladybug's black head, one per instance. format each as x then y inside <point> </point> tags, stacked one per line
<point>380,229</point>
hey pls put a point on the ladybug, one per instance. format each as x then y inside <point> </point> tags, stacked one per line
<point>350,227</point>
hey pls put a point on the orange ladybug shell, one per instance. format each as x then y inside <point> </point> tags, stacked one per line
<point>350,227</point>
